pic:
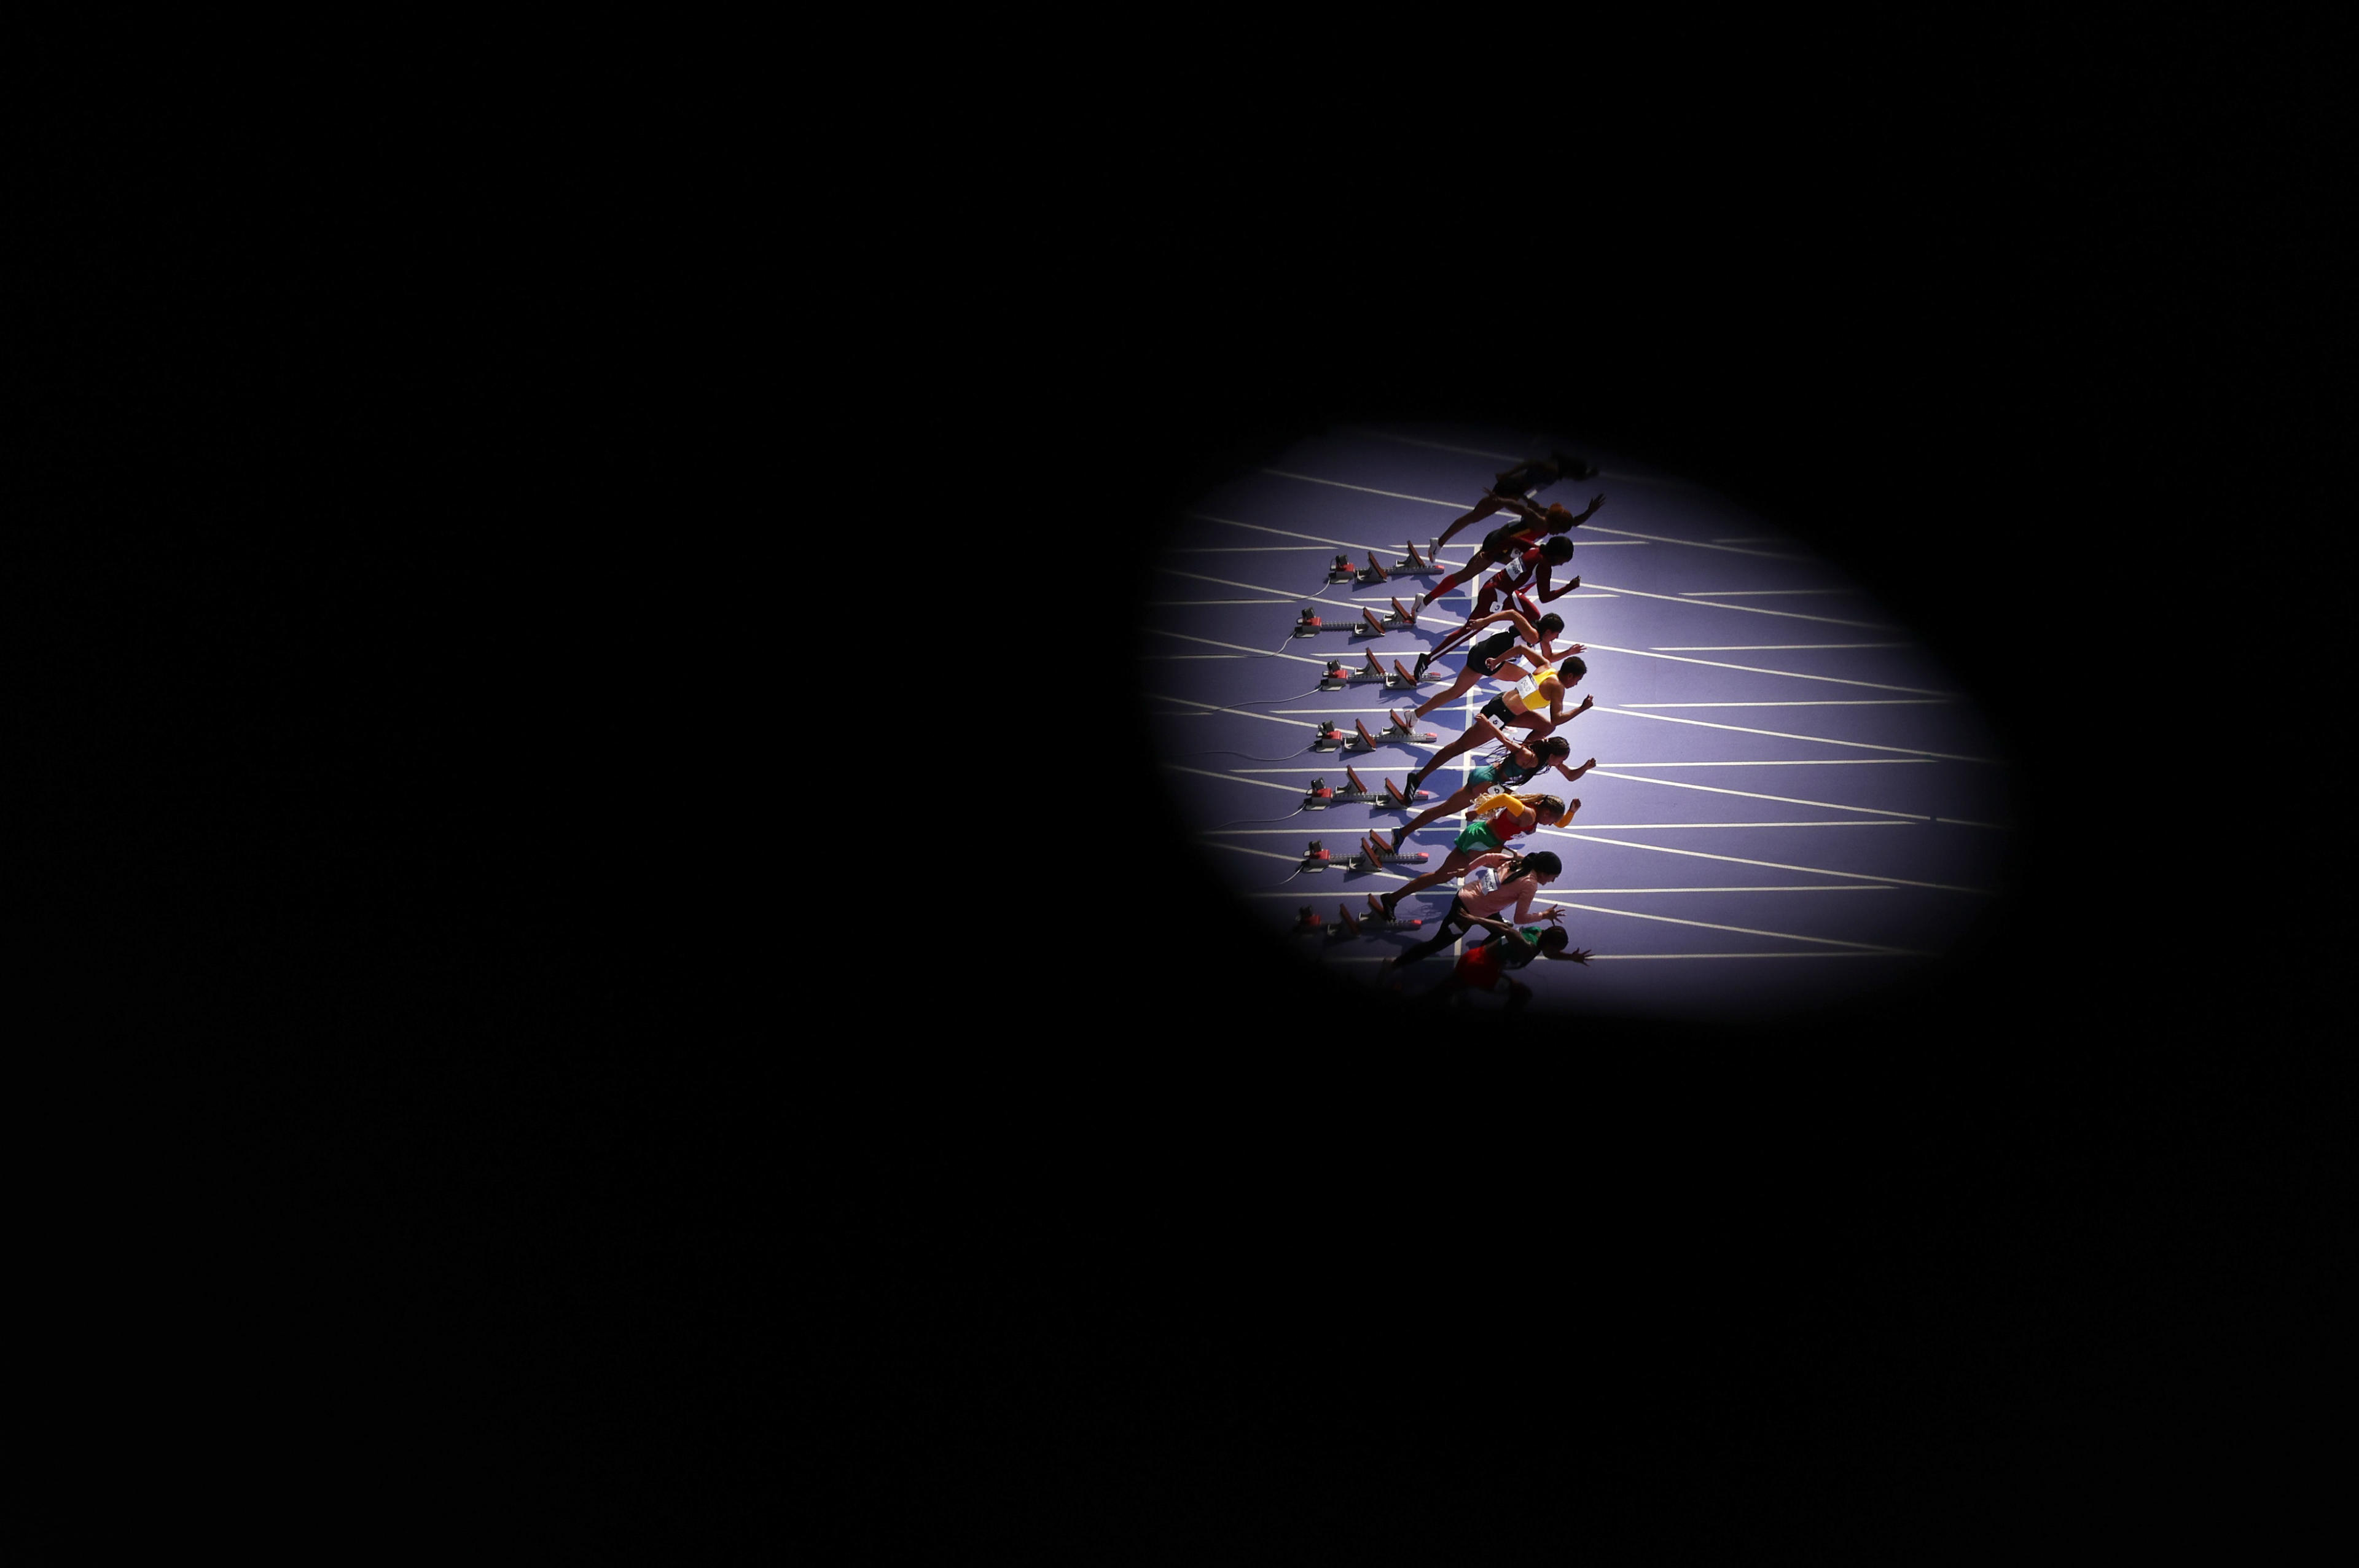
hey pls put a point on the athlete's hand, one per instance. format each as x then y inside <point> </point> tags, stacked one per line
<point>1586,704</point>
<point>1578,954</point>
<point>1554,916</point>
<point>1594,502</point>
<point>1574,584</point>
<point>1589,764</point>
<point>1577,648</point>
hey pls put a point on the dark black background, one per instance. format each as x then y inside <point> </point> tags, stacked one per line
<point>492,1088</point>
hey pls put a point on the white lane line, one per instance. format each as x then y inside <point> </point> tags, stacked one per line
<point>1318,539</point>
<point>1739,930</point>
<point>1210,773</point>
<point>1216,642</point>
<point>1190,603</point>
<point>1210,707</point>
<point>1344,957</point>
<point>1752,794</point>
<point>1232,582</point>
<point>1297,892</point>
<point>1820,740</point>
<point>1755,592</point>
<point>1758,670</point>
<point>1596,528</point>
<point>1791,763</point>
<point>1815,702</point>
<point>1880,953</point>
<point>1243,549</point>
<point>1765,648</point>
<point>1768,865</point>
<point>1634,826</point>
<point>1592,527</point>
<point>1741,609</point>
<point>1621,892</point>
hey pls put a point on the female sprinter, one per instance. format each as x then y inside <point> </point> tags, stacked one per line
<point>1538,563</point>
<point>1491,655</point>
<point>1493,885</point>
<point>1535,704</point>
<point>1495,819</point>
<point>1514,487</point>
<point>1518,767</point>
<point>1503,544</point>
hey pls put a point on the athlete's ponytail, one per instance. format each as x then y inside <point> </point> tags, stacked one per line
<point>1538,864</point>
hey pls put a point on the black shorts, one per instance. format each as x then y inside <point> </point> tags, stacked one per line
<point>1487,653</point>
<point>1500,543</point>
<point>1497,708</point>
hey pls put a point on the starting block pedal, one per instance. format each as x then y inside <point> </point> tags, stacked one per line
<point>1316,859</point>
<point>1399,730</point>
<point>1307,923</point>
<point>1377,920</point>
<point>1342,570</point>
<point>1373,856</point>
<point>1414,563</point>
<point>1371,625</point>
<point>1375,573</point>
<point>1358,794</point>
<point>1310,624</point>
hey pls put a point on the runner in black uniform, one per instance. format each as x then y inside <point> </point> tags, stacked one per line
<point>1519,709</point>
<point>1520,641</point>
<point>1512,769</point>
<point>1514,486</point>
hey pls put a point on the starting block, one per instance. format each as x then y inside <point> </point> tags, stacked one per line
<point>1373,856</point>
<point>1337,676</point>
<point>1375,573</point>
<point>1330,739</point>
<point>1427,563</point>
<point>1398,730</point>
<point>1377,920</point>
<point>1310,622</point>
<point>1322,794</point>
<point>1316,859</point>
<point>1342,570</point>
<point>1371,625</point>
